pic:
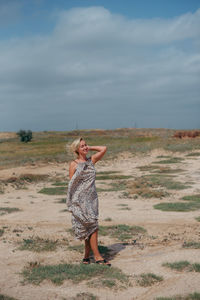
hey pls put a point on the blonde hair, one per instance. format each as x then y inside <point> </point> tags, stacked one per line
<point>75,145</point>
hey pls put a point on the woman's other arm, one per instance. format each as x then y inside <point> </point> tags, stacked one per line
<point>97,156</point>
<point>72,169</point>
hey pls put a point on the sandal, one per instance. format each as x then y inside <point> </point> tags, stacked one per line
<point>103,262</point>
<point>86,261</point>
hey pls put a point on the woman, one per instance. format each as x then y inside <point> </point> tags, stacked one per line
<point>82,199</point>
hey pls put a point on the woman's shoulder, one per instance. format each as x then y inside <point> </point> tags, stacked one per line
<point>73,164</point>
<point>72,168</point>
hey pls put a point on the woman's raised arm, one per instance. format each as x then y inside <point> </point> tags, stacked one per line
<point>97,156</point>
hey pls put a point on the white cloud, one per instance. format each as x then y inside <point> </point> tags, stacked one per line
<point>95,63</point>
<point>90,24</point>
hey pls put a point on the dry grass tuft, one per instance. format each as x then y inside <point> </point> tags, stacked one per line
<point>186,133</point>
<point>22,180</point>
<point>148,279</point>
<point>37,244</point>
<point>144,187</point>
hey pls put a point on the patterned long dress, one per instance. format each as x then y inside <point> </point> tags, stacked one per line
<point>82,200</point>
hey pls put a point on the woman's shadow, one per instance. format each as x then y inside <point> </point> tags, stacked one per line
<point>109,252</point>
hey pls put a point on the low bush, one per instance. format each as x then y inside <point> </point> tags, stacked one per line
<point>25,135</point>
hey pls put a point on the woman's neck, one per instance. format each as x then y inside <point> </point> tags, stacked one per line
<point>82,158</point>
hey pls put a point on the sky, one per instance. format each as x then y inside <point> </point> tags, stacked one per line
<point>82,64</point>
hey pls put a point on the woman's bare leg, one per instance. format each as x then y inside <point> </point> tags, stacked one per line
<point>94,245</point>
<point>87,248</point>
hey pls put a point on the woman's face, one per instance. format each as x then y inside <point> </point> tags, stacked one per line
<point>83,148</point>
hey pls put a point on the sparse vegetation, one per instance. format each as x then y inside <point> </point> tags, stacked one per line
<point>36,273</point>
<point>108,219</point>
<point>20,181</point>
<point>193,203</point>
<point>149,186</point>
<point>191,244</point>
<point>148,168</point>
<point>83,296</point>
<point>8,210</point>
<point>165,181</point>
<point>179,266</point>
<point>158,169</point>
<point>176,206</point>
<point>125,208</point>
<point>182,147</point>
<point>1,232</point>
<point>148,279</point>
<point>193,154</point>
<point>196,267</point>
<point>54,191</point>
<point>108,283</point>
<point>172,160</point>
<point>144,187</point>
<point>122,232</point>
<point>183,266</point>
<point>33,177</point>
<point>77,248</point>
<point>38,244</point>
<point>166,170</point>
<point>193,198</point>
<point>112,177</point>
<point>64,210</point>
<point>127,195</point>
<point>4,297</point>
<point>107,172</point>
<point>194,296</point>
<point>50,145</point>
<point>59,183</point>
<point>119,185</point>
<point>62,200</point>
<point>1,188</point>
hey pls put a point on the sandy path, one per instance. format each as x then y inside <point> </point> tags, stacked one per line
<point>41,216</point>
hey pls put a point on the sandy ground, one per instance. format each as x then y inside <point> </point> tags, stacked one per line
<point>41,216</point>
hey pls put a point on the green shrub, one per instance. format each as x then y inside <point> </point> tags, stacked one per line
<point>25,135</point>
